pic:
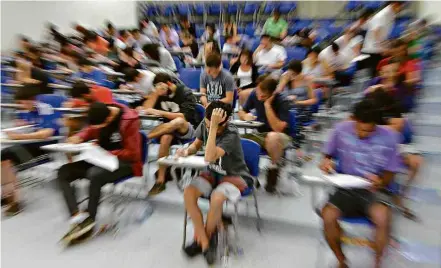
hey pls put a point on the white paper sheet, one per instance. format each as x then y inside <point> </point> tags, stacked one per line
<point>347,181</point>
<point>360,58</point>
<point>99,157</point>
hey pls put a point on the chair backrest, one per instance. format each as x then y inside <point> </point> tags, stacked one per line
<point>292,123</point>
<point>191,77</point>
<point>318,95</point>
<point>144,147</point>
<point>407,132</point>
<point>200,109</point>
<point>178,63</point>
<point>226,64</point>
<point>295,53</point>
<point>251,152</point>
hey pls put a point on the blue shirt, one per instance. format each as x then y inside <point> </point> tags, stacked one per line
<point>281,107</point>
<point>42,117</point>
<point>95,75</point>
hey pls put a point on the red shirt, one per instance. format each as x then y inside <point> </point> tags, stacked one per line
<point>406,67</point>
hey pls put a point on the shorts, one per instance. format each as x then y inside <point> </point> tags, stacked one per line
<point>21,154</point>
<point>260,138</point>
<point>187,136</point>
<point>356,202</point>
<point>230,186</point>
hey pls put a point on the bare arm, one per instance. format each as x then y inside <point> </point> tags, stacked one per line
<point>277,65</point>
<point>194,147</point>
<point>311,97</point>
<point>212,152</point>
<point>204,100</point>
<point>38,135</point>
<point>151,101</point>
<point>228,97</point>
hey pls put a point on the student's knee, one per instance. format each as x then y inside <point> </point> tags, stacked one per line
<point>96,175</point>
<point>217,199</point>
<point>166,139</point>
<point>330,214</point>
<point>273,139</point>
<point>191,193</point>
<point>380,215</point>
<point>415,162</point>
<point>179,122</point>
<point>64,172</point>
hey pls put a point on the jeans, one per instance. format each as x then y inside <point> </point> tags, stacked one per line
<point>98,178</point>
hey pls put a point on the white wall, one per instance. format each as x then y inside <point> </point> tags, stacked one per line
<point>30,18</point>
<point>431,10</point>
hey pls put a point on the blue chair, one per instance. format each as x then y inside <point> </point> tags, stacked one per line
<point>178,63</point>
<point>255,43</point>
<point>199,32</point>
<point>52,101</point>
<point>250,8</point>
<point>353,5</point>
<point>191,77</point>
<point>226,64</point>
<point>215,9</point>
<point>287,7</point>
<point>183,9</point>
<point>407,132</point>
<point>269,7</point>
<point>200,110</point>
<point>373,4</point>
<point>295,53</point>
<point>199,9</point>
<point>232,8</point>
<point>250,30</point>
<point>168,11</point>
<point>251,151</point>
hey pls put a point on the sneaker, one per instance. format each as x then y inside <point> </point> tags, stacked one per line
<point>13,209</point>
<point>271,180</point>
<point>193,250</point>
<point>79,230</point>
<point>211,253</point>
<point>82,238</point>
<point>157,189</point>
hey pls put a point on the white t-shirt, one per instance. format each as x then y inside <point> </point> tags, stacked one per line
<point>150,30</point>
<point>272,56</point>
<point>166,59</point>
<point>244,77</point>
<point>384,20</point>
<point>335,61</point>
<point>146,83</point>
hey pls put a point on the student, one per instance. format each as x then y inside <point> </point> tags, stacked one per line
<point>246,73</point>
<point>176,104</point>
<point>159,55</point>
<point>128,58</point>
<point>312,66</point>
<point>338,63</point>
<point>139,80</point>
<point>169,37</point>
<point>140,39</point>
<point>210,33</point>
<point>210,47</point>
<point>187,26</point>
<point>41,116</point>
<point>116,129</point>
<point>89,72</point>
<point>269,56</point>
<point>273,110</point>
<point>230,46</point>
<point>275,26</point>
<point>227,176</point>
<point>360,26</point>
<point>149,29</point>
<point>378,30</point>
<point>367,150</point>
<point>95,42</point>
<point>125,40</point>
<point>217,83</point>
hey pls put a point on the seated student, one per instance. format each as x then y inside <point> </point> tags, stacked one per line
<point>275,26</point>
<point>176,104</point>
<point>139,80</point>
<point>230,29</point>
<point>186,26</point>
<point>159,55</point>
<point>298,89</point>
<point>337,62</point>
<point>140,39</point>
<point>210,47</point>
<point>149,28</point>
<point>230,46</point>
<point>367,150</point>
<point>31,74</point>
<point>116,129</point>
<point>269,56</point>
<point>227,176</point>
<point>390,116</point>
<point>169,37</point>
<point>128,58</point>
<point>89,72</point>
<point>189,42</point>
<point>39,115</point>
<point>273,110</point>
<point>210,33</point>
<point>95,42</point>
<point>313,67</point>
<point>216,83</point>
<point>246,73</point>
<point>125,40</point>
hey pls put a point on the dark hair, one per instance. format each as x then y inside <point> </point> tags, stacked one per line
<point>249,55</point>
<point>212,26</point>
<point>266,36</point>
<point>136,30</point>
<point>268,85</point>
<point>394,2</point>
<point>385,104</point>
<point>84,62</point>
<point>276,11</point>
<point>335,47</point>
<point>97,114</point>
<point>315,49</point>
<point>27,92</point>
<point>228,37</point>
<point>79,89</point>
<point>261,78</point>
<point>367,13</point>
<point>123,32</point>
<point>215,47</point>
<point>34,50</point>
<point>213,60</point>
<point>130,74</point>
<point>366,111</point>
<point>162,78</point>
<point>218,105</point>
<point>152,51</point>
<point>128,51</point>
<point>90,36</point>
<point>24,39</point>
<point>295,66</point>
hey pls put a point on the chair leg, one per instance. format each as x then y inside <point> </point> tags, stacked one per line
<point>185,230</point>
<point>237,247</point>
<point>256,206</point>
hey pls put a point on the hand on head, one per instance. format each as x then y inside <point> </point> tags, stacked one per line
<point>218,117</point>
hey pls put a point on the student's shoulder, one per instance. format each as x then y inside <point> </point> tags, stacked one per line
<point>345,126</point>
<point>390,136</point>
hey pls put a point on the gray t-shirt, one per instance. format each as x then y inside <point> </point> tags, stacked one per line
<point>217,88</point>
<point>233,162</point>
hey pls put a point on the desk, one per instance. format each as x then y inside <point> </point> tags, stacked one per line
<point>11,85</point>
<point>17,128</point>
<point>59,72</point>
<point>246,124</point>
<point>198,94</point>
<point>7,142</point>
<point>67,147</point>
<point>72,111</point>
<point>153,117</point>
<point>126,92</point>
<point>11,106</point>
<point>59,86</point>
<point>188,164</point>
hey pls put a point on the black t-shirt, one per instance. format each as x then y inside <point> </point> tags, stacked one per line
<point>182,101</point>
<point>110,137</point>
